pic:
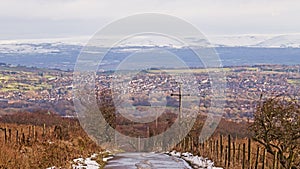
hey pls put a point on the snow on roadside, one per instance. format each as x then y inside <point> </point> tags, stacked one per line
<point>87,163</point>
<point>195,161</point>
<point>90,162</point>
<point>105,159</point>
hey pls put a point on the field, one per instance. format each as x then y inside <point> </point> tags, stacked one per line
<point>294,81</point>
<point>41,140</point>
<point>176,71</point>
<point>19,80</point>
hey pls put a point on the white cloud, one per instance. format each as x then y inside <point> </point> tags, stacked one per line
<point>90,9</point>
<point>216,16</point>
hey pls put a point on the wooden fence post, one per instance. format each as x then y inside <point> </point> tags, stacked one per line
<point>44,128</point>
<point>264,159</point>
<point>257,158</point>
<point>233,153</point>
<point>36,135</point>
<point>239,153</point>
<point>221,147</point>
<point>249,152</point>
<point>199,148</point>
<point>9,135</point>
<point>184,147</point>
<point>139,144</point>
<point>278,162</point>
<point>23,138</point>
<point>229,143</point>
<point>29,131</point>
<point>275,161</point>
<point>225,155</point>
<point>189,143</point>
<point>217,149</point>
<point>244,156</point>
<point>210,147</point>
<point>192,145</point>
<point>5,135</point>
<point>33,132</point>
<point>17,136</point>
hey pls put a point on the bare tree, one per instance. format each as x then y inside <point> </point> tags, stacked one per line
<point>277,127</point>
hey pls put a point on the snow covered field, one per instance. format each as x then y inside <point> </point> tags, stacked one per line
<point>25,46</point>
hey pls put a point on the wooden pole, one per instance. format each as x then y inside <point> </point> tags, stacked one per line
<point>275,161</point>
<point>5,136</point>
<point>192,144</point>
<point>239,153</point>
<point>9,135</point>
<point>226,152</point>
<point>278,163</point>
<point>217,148</point>
<point>44,128</point>
<point>29,131</point>
<point>180,146</point>
<point>221,147</point>
<point>199,149</point>
<point>229,143</point>
<point>180,95</point>
<point>17,137</point>
<point>213,147</point>
<point>184,147</point>
<point>180,103</point>
<point>23,138</point>
<point>189,144</point>
<point>257,158</point>
<point>233,153</point>
<point>148,132</point>
<point>156,122</point>
<point>264,159</point>
<point>244,155</point>
<point>36,136</point>
<point>139,144</point>
<point>249,152</point>
<point>33,132</point>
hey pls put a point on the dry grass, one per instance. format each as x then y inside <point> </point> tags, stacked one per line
<point>63,140</point>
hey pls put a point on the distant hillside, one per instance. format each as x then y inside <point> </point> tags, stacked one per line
<point>233,50</point>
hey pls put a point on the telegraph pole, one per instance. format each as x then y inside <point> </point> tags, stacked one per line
<point>180,95</point>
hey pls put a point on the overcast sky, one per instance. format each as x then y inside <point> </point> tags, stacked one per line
<point>62,18</point>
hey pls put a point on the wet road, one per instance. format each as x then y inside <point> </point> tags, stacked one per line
<point>145,161</point>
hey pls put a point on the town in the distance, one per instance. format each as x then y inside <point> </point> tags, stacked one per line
<point>32,89</point>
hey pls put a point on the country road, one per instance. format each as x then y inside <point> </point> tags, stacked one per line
<point>146,161</point>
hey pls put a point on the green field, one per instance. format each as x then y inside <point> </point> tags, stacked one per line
<point>17,80</point>
<point>202,70</point>
<point>293,81</point>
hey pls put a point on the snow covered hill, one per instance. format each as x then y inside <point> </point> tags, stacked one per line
<point>41,46</point>
<point>238,40</point>
<point>282,41</point>
<point>27,46</point>
<point>233,50</point>
<point>262,41</point>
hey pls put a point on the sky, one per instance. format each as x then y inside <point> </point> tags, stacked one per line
<point>21,19</point>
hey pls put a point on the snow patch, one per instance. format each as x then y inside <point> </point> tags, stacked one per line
<point>195,161</point>
<point>87,163</point>
<point>58,45</point>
